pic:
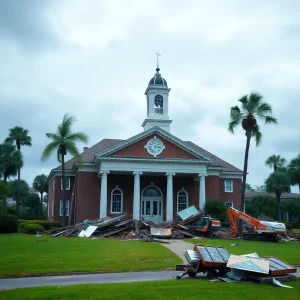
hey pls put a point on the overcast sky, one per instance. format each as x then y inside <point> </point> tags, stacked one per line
<point>94,59</point>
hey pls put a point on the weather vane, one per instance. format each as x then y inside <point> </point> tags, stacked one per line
<point>157,62</point>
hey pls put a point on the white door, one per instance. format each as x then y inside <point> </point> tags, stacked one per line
<point>151,204</point>
<point>152,209</point>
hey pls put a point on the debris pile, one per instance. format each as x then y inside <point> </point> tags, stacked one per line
<point>219,265</point>
<point>123,227</point>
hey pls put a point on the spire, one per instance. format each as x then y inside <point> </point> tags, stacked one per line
<point>157,62</point>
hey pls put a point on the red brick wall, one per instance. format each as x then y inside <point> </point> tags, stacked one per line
<point>212,187</point>
<point>87,196</point>
<point>235,196</point>
<point>88,192</point>
<point>56,196</point>
<point>138,149</point>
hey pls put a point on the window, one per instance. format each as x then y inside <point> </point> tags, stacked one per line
<point>67,183</point>
<point>116,205</point>
<point>182,200</point>
<point>61,208</point>
<point>158,104</point>
<point>229,204</point>
<point>228,186</point>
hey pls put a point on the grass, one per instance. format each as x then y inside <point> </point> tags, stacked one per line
<point>296,230</point>
<point>171,290</point>
<point>33,255</point>
<point>287,251</point>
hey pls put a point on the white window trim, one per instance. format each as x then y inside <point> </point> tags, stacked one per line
<point>187,198</point>
<point>227,191</point>
<point>227,202</point>
<point>69,185</point>
<point>53,184</point>
<point>67,205</point>
<point>111,201</point>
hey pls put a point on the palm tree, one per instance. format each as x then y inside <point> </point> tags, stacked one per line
<point>276,162</point>
<point>40,184</point>
<point>63,141</point>
<point>252,108</point>
<point>294,171</point>
<point>10,162</point>
<point>278,182</point>
<point>20,136</point>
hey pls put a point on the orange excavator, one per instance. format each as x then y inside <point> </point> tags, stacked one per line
<point>258,230</point>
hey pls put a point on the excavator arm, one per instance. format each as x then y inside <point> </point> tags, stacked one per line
<point>232,212</point>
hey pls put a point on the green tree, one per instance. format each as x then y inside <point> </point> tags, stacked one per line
<point>249,188</point>
<point>20,137</point>
<point>10,161</point>
<point>40,184</point>
<point>276,162</point>
<point>265,205</point>
<point>278,182</point>
<point>33,202</point>
<point>294,171</point>
<point>292,206</point>
<point>216,209</point>
<point>63,142</point>
<point>252,108</point>
<point>18,189</point>
<point>260,188</point>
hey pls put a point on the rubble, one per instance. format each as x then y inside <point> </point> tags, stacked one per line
<point>123,227</point>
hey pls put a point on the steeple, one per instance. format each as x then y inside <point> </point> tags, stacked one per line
<point>157,95</point>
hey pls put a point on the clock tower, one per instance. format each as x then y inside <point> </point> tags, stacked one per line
<point>157,95</point>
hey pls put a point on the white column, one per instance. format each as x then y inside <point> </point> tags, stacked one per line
<point>103,195</point>
<point>170,196</point>
<point>136,196</point>
<point>202,198</point>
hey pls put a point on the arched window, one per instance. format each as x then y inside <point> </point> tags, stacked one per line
<point>159,104</point>
<point>182,200</point>
<point>116,203</point>
<point>151,191</point>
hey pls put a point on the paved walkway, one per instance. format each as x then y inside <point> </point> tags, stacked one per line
<point>179,247</point>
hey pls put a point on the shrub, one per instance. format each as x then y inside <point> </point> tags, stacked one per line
<point>33,228</point>
<point>216,209</point>
<point>289,226</point>
<point>46,224</point>
<point>8,224</point>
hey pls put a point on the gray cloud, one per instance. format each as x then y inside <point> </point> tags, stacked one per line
<point>25,23</point>
<point>212,54</point>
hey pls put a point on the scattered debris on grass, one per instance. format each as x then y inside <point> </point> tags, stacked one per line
<point>218,264</point>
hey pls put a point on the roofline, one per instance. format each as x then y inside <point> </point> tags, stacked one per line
<point>149,132</point>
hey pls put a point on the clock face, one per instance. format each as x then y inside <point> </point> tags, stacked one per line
<point>155,146</point>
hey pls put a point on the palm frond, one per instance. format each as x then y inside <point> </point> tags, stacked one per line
<point>257,135</point>
<point>65,126</point>
<point>54,137</point>
<point>78,137</point>
<point>49,149</point>
<point>270,120</point>
<point>244,101</point>
<point>254,102</point>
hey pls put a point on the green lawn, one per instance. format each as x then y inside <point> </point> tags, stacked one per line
<point>287,251</point>
<point>296,230</point>
<point>171,290</point>
<point>47,255</point>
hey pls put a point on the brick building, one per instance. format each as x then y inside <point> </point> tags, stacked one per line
<point>152,175</point>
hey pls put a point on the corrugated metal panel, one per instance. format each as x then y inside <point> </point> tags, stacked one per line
<point>188,212</point>
<point>279,267</point>
<point>192,256</point>
<point>257,265</point>
<point>212,256</point>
